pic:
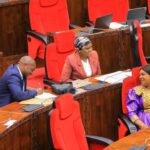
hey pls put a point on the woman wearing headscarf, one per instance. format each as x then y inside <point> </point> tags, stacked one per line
<point>83,63</point>
<point>138,100</point>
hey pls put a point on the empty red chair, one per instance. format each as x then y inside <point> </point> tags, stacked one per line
<point>118,8</point>
<point>125,125</point>
<point>137,42</point>
<point>66,128</point>
<point>36,79</point>
<point>45,16</point>
<point>56,54</point>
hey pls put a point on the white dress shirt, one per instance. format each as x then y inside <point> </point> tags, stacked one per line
<point>87,68</point>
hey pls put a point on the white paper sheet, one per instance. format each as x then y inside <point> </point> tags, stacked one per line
<point>115,77</point>
<point>45,96</point>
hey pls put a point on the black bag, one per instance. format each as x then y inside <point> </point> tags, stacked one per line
<point>61,88</point>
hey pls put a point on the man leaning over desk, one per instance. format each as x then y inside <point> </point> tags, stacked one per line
<point>13,82</point>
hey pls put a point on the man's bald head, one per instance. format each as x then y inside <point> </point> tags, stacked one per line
<point>27,60</point>
<point>27,65</point>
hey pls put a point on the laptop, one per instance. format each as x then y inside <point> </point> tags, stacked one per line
<point>136,14</point>
<point>102,23</point>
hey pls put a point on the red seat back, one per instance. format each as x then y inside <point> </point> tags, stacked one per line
<point>140,43</point>
<point>136,74</point>
<point>46,16</point>
<point>66,126</point>
<point>57,52</point>
<point>120,11</point>
<point>36,79</point>
<point>98,8</point>
<point>148,4</point>
<point>129,83</point>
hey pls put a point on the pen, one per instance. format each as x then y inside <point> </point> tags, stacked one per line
<point>40,85</point>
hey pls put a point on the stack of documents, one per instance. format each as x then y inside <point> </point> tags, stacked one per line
<point>115,77</point>
<point>45,99</point>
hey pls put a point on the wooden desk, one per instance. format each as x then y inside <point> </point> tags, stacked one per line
<point>114,49</point>
<point>29,132</point>
<point>135,139</point>
<point>99,112</point>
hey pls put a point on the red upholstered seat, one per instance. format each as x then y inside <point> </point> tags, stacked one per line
<point>46,16</point>
<point>66,126</point>
<point>57,52</point>
<point>37,78</point>
<point>128,83</point>
<point>140,43</point>
<point>98,8</point>
<point>137,42</point>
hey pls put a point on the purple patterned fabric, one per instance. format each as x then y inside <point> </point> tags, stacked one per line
<point>135,107</point>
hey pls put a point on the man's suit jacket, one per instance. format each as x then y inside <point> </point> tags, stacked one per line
<point>11,87</point>
<point>73,68</point>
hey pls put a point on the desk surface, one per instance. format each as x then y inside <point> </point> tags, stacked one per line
<point>135,139</point>
<point>31,129</point>
<point>28,132</point>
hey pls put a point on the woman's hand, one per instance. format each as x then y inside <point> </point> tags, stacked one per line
<point>140,124</point>
<point>144,126</point>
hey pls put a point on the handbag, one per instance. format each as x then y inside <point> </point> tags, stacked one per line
<point>62,88</point>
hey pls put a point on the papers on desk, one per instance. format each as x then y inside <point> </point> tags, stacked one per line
<point>45,96</point>
<point>115,77</point>
<point>45,99</point>
<point>115,25</point>
<point>37,101</point>
<point>145,25</point>
<point>9,123</point>
<point>80,83</point>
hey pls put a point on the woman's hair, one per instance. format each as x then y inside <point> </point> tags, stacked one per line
<point>146,68</point>
<point>81,42</point>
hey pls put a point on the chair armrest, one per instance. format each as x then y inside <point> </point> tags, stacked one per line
<point>147,58</point>
<point>131,127</point>
<point>73,26</point>
<point>147,16</point>
<point>38,36</point>
<point>99,140</point>
<point>89,23</point>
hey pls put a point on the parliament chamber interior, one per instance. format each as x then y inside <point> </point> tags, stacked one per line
<point>65,87</point>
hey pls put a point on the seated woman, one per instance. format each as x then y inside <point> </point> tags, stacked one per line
<point>138,100</point>
<point>83,63</point>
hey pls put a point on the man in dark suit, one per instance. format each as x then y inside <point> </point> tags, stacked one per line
<point>13,82</point>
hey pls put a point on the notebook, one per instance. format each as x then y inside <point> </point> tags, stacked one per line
<point>102,23</point>
<point>136,14</point>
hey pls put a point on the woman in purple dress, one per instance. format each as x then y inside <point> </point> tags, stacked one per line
<point>138,100</point>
